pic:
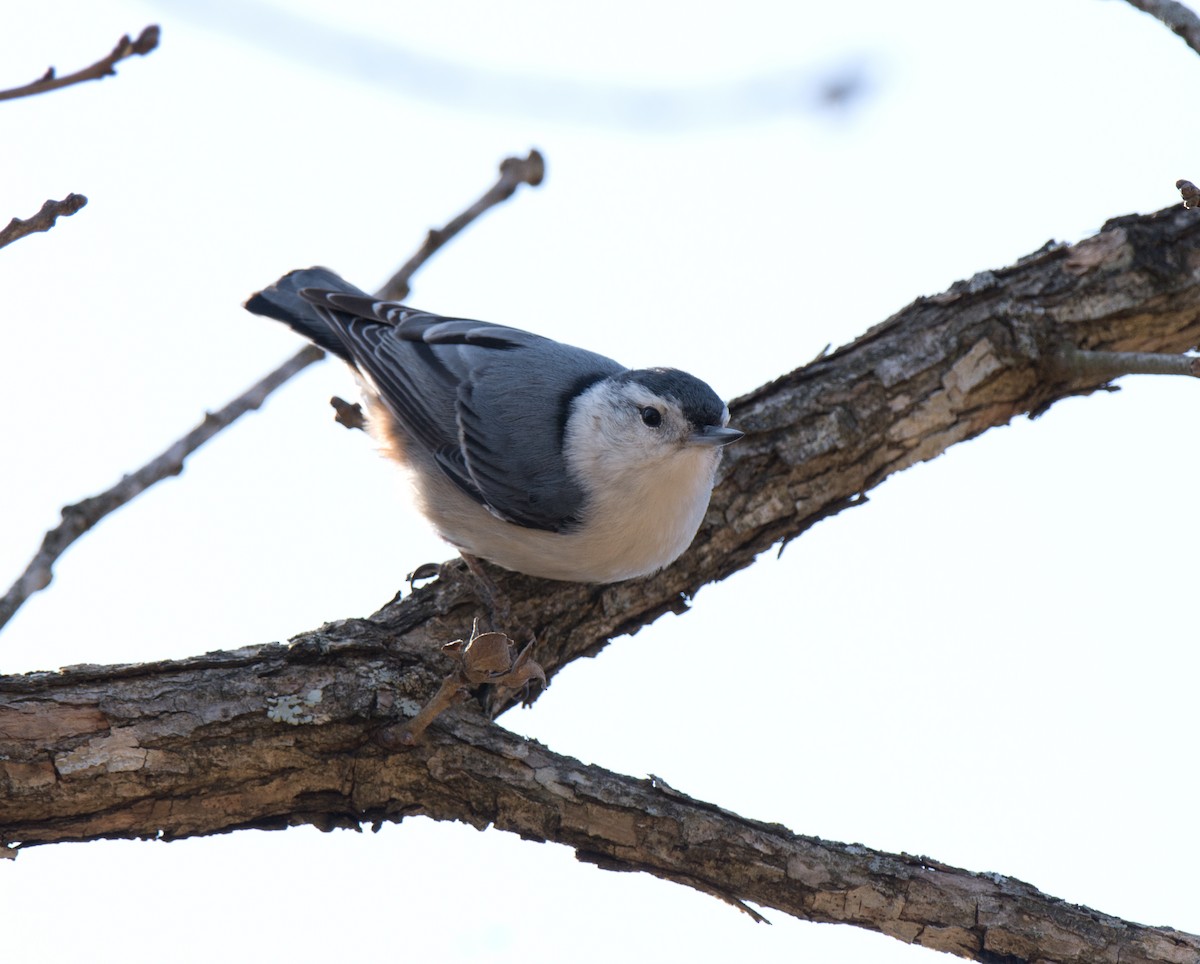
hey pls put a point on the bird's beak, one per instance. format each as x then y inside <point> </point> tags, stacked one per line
<point>715,435</point>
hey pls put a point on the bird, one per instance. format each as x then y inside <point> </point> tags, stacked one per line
<point>537,456</point>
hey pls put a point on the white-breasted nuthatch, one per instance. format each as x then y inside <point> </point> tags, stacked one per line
<point>539,457</point>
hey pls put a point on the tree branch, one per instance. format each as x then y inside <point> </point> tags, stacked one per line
<point>273,736</point>
<point>1075,362</point>
<point>514,171</point>
<point>1178,17</point>
<point>203,746</point>
<point>44,220</point>
<point>147,40</point>
<point>80,517</point>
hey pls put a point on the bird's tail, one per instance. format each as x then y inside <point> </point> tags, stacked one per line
<point>282,302</point>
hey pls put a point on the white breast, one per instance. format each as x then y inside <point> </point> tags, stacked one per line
<point>643,521</point>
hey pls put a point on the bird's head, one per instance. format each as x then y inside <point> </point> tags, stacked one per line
<point>634,421</point>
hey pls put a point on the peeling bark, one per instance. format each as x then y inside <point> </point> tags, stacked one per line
<point>278,735</point>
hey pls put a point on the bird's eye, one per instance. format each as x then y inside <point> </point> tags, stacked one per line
<point>651,416</point>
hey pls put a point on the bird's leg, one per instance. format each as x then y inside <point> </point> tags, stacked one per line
<point>500,613</point>
<point>493,597</point>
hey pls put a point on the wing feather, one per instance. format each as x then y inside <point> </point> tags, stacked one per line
<point>487,402</point>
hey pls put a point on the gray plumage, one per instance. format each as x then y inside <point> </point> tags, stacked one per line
<point>523,428</point>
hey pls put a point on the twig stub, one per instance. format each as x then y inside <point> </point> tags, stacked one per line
<point>1189,192</point>
<point>349,414</point>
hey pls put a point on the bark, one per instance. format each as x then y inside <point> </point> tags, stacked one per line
<point>275,736</point>
<point>204,745</point>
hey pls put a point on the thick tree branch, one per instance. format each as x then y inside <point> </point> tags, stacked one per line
<point>105,67</point>
<point>82,516</point>
<point>1181,19</point>
<point>44,220</point>
<point>274,736</point>
<point>203,746</point>
<point>943,370</point>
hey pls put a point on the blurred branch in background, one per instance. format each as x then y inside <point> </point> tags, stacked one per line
<point>82,516</point>
<point>147,40</point>
<point>44,220</point>
<point>766,96</point>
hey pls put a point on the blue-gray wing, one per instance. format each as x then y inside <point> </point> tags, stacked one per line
<point>489,403</point>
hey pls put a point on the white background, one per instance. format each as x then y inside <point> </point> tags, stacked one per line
<point>992,663</point>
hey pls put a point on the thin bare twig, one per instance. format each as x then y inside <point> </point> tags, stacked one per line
<point>1179,18</point>
<point>514,171</point>
<point>1077,362</point>
<point>42,221</point>
<point>79,518</point>
<point>147,40</point>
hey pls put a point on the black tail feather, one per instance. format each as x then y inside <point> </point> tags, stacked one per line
<point>282,301</point>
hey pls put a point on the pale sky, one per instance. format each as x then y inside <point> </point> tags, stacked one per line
<point>992,663</point>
